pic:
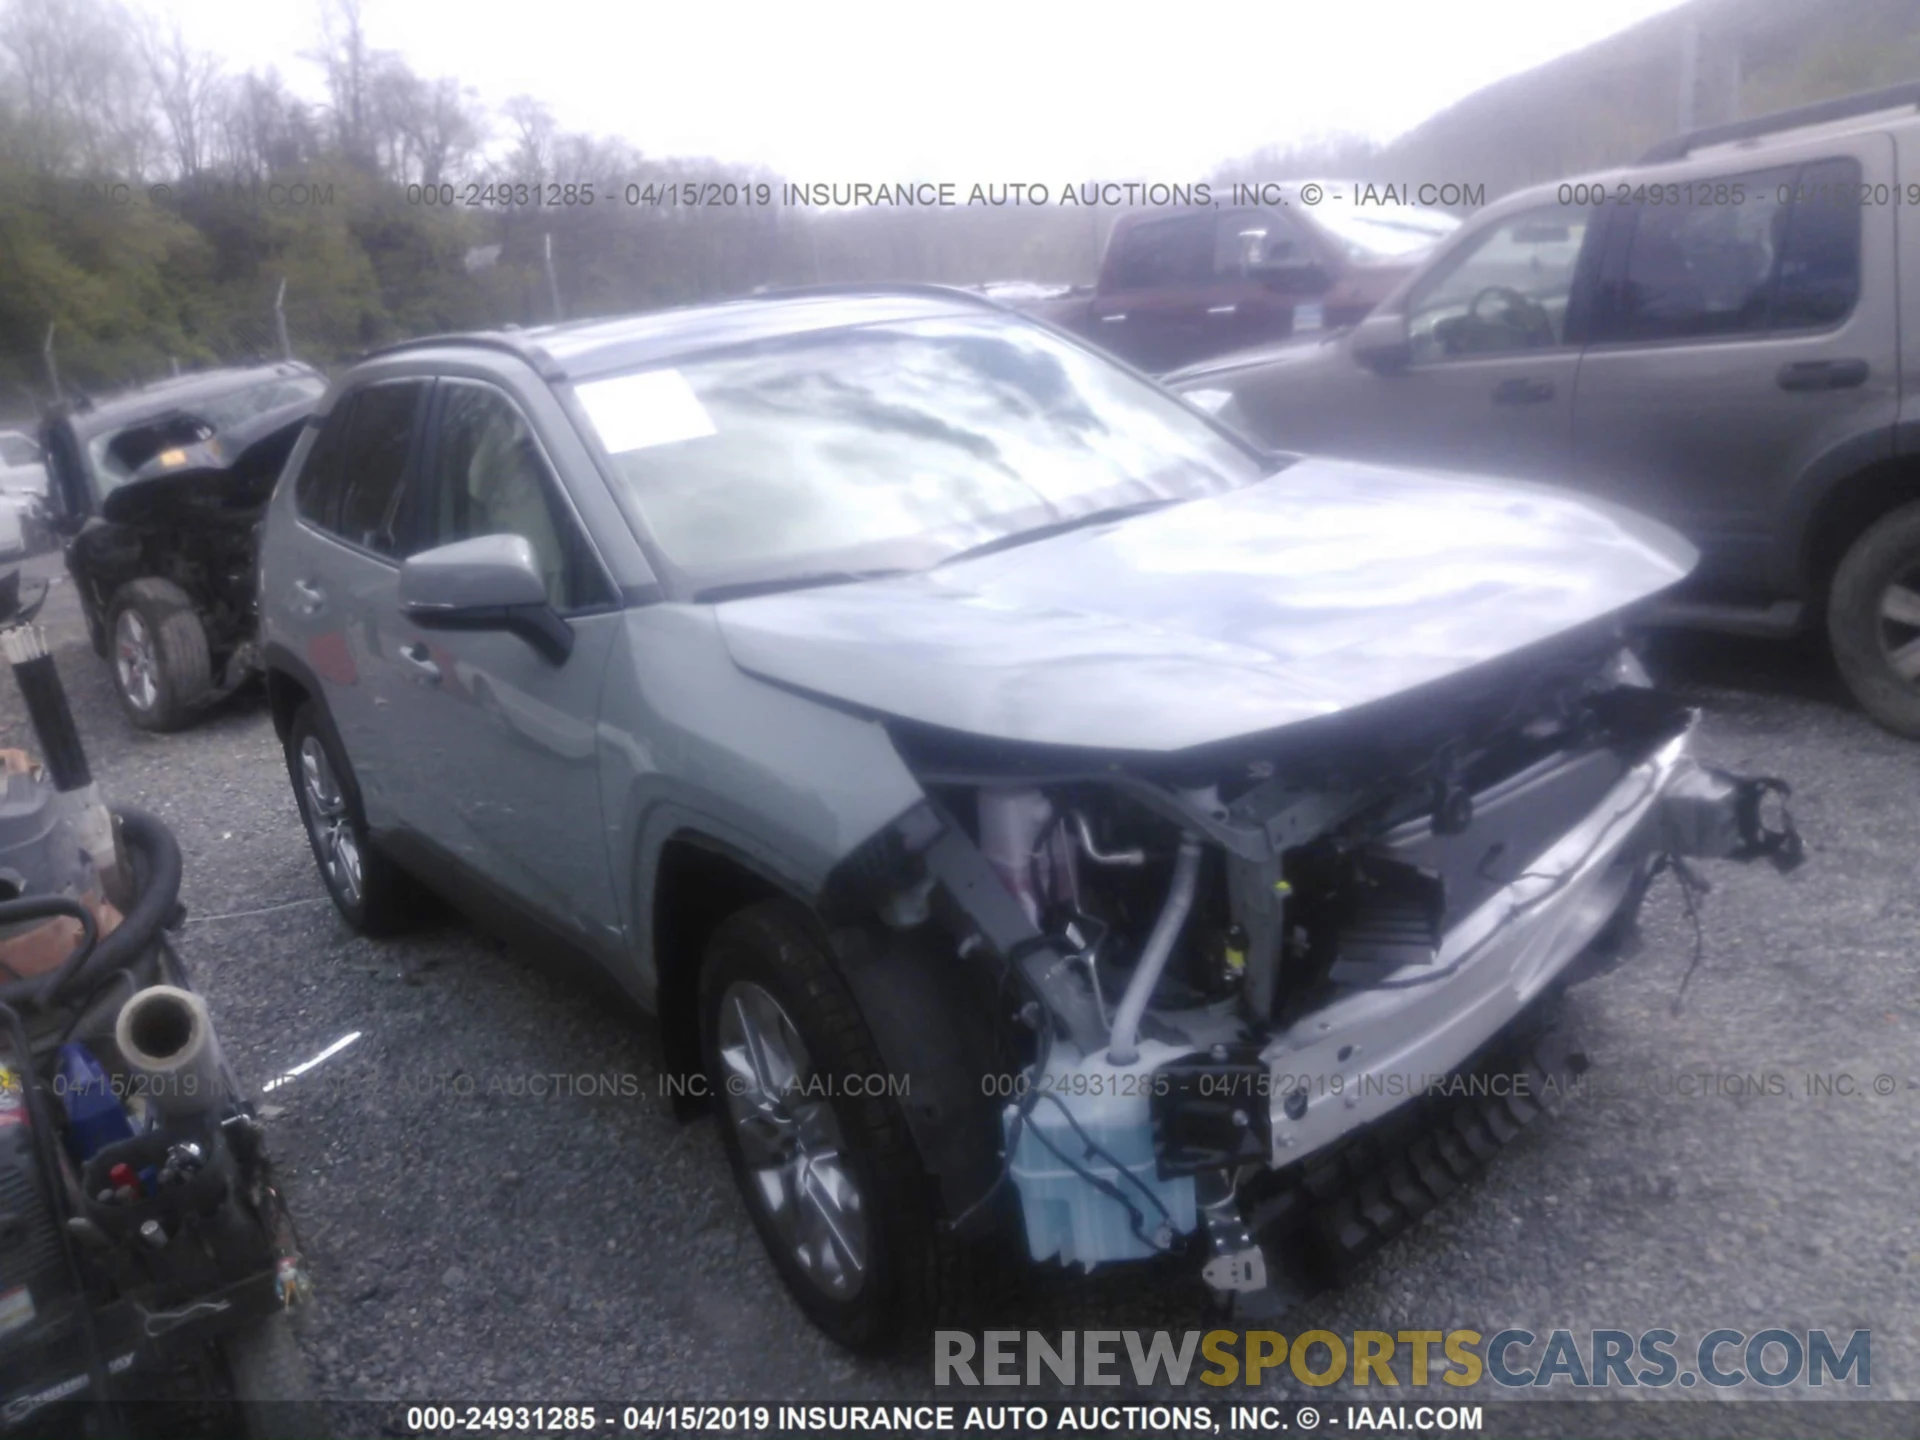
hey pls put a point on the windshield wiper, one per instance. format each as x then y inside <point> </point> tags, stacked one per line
<point>742,589</point>
<point>1057,527</point>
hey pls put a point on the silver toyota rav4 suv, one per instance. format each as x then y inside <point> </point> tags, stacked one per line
<point>1725,336</point>
<point>1037,817</point>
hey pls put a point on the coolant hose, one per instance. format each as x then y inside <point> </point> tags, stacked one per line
<point>1123,1047</point>
<point>156,856</point>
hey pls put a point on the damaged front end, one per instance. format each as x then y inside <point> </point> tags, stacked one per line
<point>1213,975</point>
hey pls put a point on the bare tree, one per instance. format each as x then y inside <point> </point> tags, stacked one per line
<point>534,136</point>
<point>447,129</point>
<point>426,130</point>
<point>350,66</point>
<point>82,95</point>
<point>186,86</point>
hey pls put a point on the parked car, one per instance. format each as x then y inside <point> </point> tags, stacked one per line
<point>159,491</point>
<point>23,495</point>
<point>1724,336</point>
<point>982,763</point>
<point>1178,286</point>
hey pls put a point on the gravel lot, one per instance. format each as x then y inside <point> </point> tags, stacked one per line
<point>547,1247</point>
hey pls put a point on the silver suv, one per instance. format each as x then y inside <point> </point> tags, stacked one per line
<point>1004,783</point>
<point>1725,336</point>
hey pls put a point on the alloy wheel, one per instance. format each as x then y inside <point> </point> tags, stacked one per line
<point>790,1141</point>
<point>1900,625</point>
<point>136,663</point>
<point>325,804</point>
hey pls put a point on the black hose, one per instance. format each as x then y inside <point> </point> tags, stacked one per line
<point>157,866</point>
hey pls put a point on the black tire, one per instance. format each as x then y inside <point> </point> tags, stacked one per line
<point>96,631</point>
<point>157,652</point>
<point>270,1378</point>
<point>910,1277</point>
<point>1863,638</point>
<point>382,900</point>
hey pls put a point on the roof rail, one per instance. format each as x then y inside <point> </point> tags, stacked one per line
<point>883,287</point>
<point>538,358</point>
<point>1824,112</point>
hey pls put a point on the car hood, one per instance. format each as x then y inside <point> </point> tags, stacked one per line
<point>1325,587</point>
<point>232,471</point>
<point>1295,350</point>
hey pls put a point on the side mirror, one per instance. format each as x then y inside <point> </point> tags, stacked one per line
<point>491,582</point>
<point>1380,342</point>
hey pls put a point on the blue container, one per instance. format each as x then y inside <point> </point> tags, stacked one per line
<point>95,1116</point>
<point>1070,1220</point>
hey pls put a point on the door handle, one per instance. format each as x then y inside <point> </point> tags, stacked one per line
<point>1222,309</point>
<point>1113,317</point>
<point>312,598</point>
<point>1522,391</point>
<point>1822,374</point>
<point>419,659</point>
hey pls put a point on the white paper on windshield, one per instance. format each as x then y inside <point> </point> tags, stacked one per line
<point>637,412</point>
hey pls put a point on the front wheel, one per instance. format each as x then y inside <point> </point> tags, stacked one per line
<point>1873,621</point>
<point>830,1177</point>
<point>158,649</point>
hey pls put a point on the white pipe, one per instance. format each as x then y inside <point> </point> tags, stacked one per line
<point>1123,1046</point>
<point>166,1037</point>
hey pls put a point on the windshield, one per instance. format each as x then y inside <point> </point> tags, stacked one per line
<point>891,446</point>
<point>1382,232</point>
<point>116,454</point>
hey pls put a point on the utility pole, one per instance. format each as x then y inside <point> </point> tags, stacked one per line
<point>280,320</point>
<point>53,368</point>
<point>553,284</point>
<point>1689,70</point>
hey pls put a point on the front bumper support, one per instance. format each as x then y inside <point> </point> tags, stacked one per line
<point>1202,1102</point>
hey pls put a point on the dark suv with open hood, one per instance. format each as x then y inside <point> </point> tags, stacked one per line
<point>1031,810</point>
<point>159,491</point>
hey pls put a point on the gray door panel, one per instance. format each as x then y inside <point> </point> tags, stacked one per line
<point>1711,431</point>
<point>505,741</point>
<point>509,741</point>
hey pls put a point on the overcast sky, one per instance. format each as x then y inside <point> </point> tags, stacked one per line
<point>986,90</point>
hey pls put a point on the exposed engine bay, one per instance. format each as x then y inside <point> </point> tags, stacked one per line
<point>1217,970</point>
<point>191,524</point>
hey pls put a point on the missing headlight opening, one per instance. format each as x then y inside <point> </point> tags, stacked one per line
<point>1208,970</point>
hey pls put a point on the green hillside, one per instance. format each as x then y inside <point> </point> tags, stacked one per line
<point>1608,103</point>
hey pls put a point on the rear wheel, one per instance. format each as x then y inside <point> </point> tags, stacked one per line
<point>1873,621</point>
<point>158,651</point>
<point>831,1178</point>
<point>369,890</point>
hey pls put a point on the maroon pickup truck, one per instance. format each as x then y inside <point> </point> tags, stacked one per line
<point>1185,285</point>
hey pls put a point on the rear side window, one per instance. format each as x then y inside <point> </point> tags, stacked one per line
<point>1820,263</point>
<point>1783,255</point>
<point>17,450</point>
<point>316,491</point>
<point>355,478</point>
